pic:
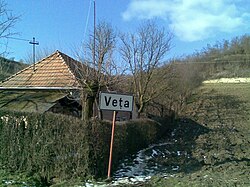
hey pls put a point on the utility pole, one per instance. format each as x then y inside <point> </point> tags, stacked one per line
<point>34,43</point>
<point>94,34</point>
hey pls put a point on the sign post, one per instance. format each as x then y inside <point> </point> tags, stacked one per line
<point>115,102</point>
<point>111,144</point>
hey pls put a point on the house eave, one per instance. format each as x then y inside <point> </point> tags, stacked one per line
<point>40,88</point>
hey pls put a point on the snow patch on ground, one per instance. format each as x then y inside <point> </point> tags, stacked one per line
<point>228,80</point>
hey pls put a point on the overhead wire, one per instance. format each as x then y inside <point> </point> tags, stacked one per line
<point>85,29</point>
<point>14,38</point>
<point>87,20</point>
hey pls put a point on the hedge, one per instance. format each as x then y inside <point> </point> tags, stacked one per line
<point>54,145</point>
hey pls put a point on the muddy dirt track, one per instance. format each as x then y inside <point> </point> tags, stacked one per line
<point>213,140</point>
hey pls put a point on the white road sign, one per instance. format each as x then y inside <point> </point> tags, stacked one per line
<point>116,102</point>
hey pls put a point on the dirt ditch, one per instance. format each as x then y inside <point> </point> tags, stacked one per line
<point>207,147</point>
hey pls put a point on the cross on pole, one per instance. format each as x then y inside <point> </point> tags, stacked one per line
<point>34,43</point>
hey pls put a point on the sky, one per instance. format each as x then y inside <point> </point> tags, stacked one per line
<point>65,24</point>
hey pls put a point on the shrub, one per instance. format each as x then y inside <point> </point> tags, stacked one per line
<point>48,144</point>
<point>53,145</point>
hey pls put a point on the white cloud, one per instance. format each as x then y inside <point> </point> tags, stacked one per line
<point>191,20</point>
<point>146,9</point>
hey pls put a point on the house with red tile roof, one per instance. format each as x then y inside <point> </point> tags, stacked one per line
<point>57,71</point>
<point>52,84</point>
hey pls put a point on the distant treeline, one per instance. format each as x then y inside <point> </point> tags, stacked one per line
<point>234,50</point>
<point>223,59</point>
<point>9,67</point>
<point>181,76</point>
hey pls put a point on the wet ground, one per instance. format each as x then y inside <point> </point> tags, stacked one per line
<point>221,155</point>
<point>208,146</point>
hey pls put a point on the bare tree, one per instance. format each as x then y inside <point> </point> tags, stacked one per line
<point>144,51</point>
<point>40,54</point>
<point>7,21</point>
<point>99,66</point>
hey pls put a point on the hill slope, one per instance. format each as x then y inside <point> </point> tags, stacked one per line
<point>9,67</point>
<point>223,153</point>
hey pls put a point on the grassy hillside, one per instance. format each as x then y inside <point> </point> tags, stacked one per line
<point>9,67</point>
<point>222,155</point>
<point>226,58</point>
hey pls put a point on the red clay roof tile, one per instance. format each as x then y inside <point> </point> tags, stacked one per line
<point>56,70</point>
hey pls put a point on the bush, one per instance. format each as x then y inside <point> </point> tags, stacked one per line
<point>48,144</point>
<point>54,145</point>
<point>129,137</point>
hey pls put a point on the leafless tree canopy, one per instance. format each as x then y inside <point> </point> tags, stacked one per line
<point>7,21</point>
<point>144,51</point>
<point>98,63</point>
<point>98,55</point>
<point>40,54</point>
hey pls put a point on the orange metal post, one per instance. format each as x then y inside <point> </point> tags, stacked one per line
<point>111,144</point>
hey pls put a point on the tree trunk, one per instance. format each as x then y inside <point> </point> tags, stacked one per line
<point>140,109</point>
<point>88,108</point>
<point>89,100</point>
